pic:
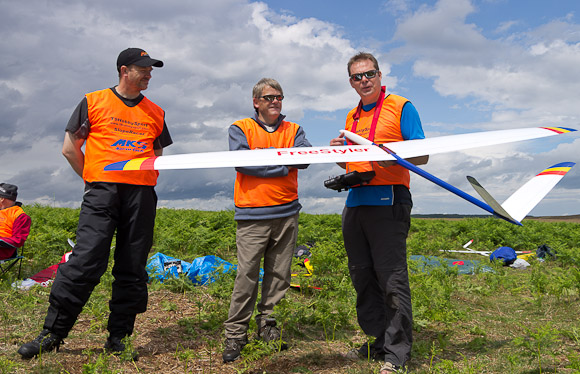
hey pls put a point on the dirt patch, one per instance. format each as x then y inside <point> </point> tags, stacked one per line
<point>571,219</point>
<point>167,345</point>
<point>455,217</point>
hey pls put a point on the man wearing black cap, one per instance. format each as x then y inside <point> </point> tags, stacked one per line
<point>14,223</point>
<point>114,124</point>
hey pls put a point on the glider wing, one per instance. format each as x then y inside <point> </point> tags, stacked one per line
<point>530,194</point>
<point>518,205</point>
<point>254,157</point>
<point>327,154</point>
<point>451,143</point>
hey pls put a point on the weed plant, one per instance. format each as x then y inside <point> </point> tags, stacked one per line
<point>503,321</point>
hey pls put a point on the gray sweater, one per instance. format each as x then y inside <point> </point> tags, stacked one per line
<point>238,141</point>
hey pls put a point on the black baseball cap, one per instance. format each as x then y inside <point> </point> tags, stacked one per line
<point>8,191</point>
<point>136,56</point>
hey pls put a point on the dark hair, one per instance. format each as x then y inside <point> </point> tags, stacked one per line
<point>362,56</point>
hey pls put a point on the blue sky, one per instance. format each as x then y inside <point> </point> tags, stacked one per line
<point>466,65</point>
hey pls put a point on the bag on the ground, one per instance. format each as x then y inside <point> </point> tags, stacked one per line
<point>506,254</point>
<point>544,251</point>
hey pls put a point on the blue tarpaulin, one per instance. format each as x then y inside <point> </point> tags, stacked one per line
<point>202,270</point>
<point>463,266</point>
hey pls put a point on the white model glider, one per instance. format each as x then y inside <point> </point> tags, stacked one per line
<point>328,154</point>
<point>368,151</point>
<point>514,209</point>
<point>473,251</point>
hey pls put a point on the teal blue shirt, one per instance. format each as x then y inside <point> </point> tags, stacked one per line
<point>383,194</point>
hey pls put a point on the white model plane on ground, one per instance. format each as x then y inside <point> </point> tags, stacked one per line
<point>513,210</point>
<point>483,253</point>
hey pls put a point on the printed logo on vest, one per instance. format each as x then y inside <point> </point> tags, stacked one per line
<point>129,145</point>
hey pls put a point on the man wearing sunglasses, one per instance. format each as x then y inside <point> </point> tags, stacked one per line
<point>376,218</point>
<point>266,211</point>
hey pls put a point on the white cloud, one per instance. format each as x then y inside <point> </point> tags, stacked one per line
<point>396,7</point>
<point>506,26</point>
<point>531,76</point>
<point>215,51</point>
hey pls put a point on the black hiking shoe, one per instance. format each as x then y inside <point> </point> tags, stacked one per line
<point>117,347</point>
<point>233,349</point>
<point>269,333</point>
<point>45,342</point>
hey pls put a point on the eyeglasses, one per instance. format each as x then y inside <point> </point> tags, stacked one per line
<point>271,98</point>
<point>368,74</point>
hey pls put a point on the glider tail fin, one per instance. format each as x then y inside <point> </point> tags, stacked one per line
<point>498,210</point>
<point>518,205</point>
<point>530,194</point>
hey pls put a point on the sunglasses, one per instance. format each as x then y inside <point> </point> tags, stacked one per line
<point>271,98</point>
<point>368,74</point>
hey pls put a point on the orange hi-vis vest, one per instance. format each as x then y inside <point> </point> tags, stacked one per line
<point>388,129</point>
<point>251,191</point>
<point>119,133</point>
<point>7,218</point>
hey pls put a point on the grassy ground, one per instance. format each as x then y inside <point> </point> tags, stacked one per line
<point>506,321</point>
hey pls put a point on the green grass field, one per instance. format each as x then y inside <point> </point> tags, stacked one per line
<point>505,321</point>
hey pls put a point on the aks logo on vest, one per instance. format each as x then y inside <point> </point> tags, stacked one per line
<point>133,145</point>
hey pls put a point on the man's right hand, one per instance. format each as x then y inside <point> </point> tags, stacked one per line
<point>338,141</point>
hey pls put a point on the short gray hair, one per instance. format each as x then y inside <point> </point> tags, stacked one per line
<point>259,87</point>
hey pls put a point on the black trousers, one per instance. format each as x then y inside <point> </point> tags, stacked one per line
<point>106,207</point>
<point>375,242</point>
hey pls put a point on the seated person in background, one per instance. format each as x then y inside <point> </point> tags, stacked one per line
<point>14,223</point>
